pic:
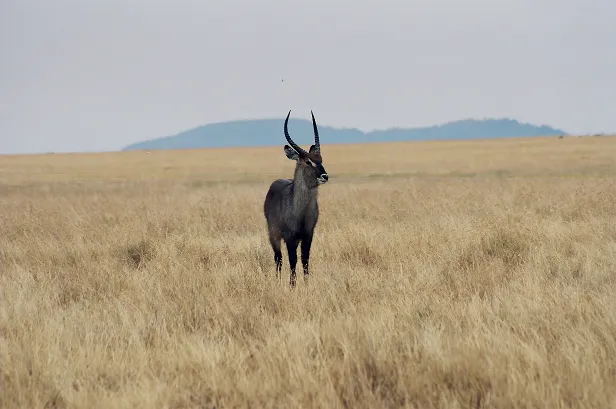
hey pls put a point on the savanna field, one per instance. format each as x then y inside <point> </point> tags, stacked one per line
<point>475,274</point>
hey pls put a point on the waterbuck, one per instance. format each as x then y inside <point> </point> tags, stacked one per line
<point>291,207</point>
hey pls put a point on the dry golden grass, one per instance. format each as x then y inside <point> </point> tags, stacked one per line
<point>450,274</point>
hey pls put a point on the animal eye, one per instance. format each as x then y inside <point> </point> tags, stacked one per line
<point>308,163</point>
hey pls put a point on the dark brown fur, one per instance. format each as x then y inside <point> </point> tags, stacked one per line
<point>291,208</point>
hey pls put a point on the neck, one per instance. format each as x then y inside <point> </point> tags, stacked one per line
<point>303,196</point>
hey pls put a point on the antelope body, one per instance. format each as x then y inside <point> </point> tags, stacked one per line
<point>291,209</point>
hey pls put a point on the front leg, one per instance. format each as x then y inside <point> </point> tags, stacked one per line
<point>306,244</point>
<point>292,251</point>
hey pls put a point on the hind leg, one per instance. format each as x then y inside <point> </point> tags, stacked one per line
<point>275,242</point>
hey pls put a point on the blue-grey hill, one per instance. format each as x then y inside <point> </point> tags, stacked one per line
<point>268,132</point>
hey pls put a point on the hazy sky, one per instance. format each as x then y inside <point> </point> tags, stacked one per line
<point>99,74</point>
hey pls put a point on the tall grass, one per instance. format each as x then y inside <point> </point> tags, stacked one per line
<point>451,274</point>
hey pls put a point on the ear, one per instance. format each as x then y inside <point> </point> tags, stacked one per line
<point>290,152</point>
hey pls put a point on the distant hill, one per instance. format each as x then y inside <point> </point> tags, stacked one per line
<point>268,132</point>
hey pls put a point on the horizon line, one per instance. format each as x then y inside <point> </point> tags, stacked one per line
<point>124,150</point>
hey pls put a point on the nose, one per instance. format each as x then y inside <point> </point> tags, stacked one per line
<point>324,177</point>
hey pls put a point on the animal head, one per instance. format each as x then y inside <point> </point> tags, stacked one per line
<point>309,165</point>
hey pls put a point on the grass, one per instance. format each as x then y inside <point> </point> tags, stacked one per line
<point>444,274</point>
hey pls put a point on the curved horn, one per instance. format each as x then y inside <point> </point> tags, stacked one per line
<point>293,144</point>
<point>317,143</point>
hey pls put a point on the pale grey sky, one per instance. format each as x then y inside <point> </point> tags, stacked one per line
<point>88,75</point>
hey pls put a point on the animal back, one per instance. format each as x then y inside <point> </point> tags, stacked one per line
<point>279,191</point>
